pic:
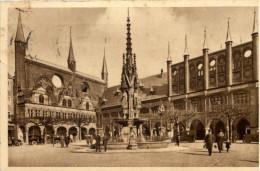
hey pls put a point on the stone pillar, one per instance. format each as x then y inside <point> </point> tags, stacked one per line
<point>187,80</point>
<point>229,75</point>
<point>26,134</point>
<point>228,129</point>
<point>206,68</point>
<point>255,55</point>
<point>169,77</point>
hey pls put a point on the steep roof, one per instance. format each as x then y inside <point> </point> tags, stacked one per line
<point>19,33</point>
<point>157,82</point>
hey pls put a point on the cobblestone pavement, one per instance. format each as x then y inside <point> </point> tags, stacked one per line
<point>79,155</point>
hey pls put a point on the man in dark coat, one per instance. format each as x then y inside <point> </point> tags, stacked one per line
<point>98,139</point>
<point>67,141</point>
<point>219,140</point>
<point>209,140</point>
<point>105,139</point>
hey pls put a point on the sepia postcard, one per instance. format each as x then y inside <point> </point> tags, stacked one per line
<point>144,85</point>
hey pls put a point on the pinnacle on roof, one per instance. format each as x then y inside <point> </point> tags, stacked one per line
<point>205,45</point>
<point>169,52</point>
<point>228,39</point>
<point>71,54</point>
<point>186,47</point>
<point>104,68</point>
<point>19,33</point>
<point>128,38</point>
<point>255,30</point>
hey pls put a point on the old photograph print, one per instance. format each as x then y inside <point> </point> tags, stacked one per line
<point>133,87</point>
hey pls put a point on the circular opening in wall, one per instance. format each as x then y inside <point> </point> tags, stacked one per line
<point>199,66</point>
<point>212,63</point>
<point>56,81</point>
<point>247,53</point>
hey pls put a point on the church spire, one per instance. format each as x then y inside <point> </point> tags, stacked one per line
<point>71,60</point>
<point>169,52</point>
<point>104,73</point>
<point>186,46</point>
<point>228,39</point>
<point>19,33</point>
<point>104,68</point>
<point>255,24</point>
<point>205,45</point>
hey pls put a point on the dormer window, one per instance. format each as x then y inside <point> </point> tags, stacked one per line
<point>64,102</point>
<point>41,99</point>
<point>69,103</point>
<point>87,106</point>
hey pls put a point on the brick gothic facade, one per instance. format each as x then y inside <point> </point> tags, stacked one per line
<point>45,89</point>
<point>197,85</point>
<point>228,76</point>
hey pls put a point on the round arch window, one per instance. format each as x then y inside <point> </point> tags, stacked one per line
<point>212,62</point>
<point>200,66</point>
<point>247,53</point>
<point>56,80</point>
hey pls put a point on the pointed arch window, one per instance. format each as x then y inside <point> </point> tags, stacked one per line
<point>87,106</point>
<point>64,102</point>
<point>69,103</point>
<point>41,99</point>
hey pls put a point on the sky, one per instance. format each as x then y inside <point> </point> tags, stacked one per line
<point>151,29</point>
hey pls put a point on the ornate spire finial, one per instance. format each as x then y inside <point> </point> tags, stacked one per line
<point>186,46</point>
<point>104,68</point>
<point>19,33</point>
<point>255,23</point>
<point>205,46</point>
<point>228,39</point>
<point>169,52</point>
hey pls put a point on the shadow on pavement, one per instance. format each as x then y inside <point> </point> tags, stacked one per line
<point>199,154</point>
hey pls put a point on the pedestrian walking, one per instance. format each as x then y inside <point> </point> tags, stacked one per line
<point>209,139</point>
<point>105,139</point>
<point>88,139</point>
<point>178,137</point>
<point>228,145</point>
<point>98,140</point>
<point>67,141</point>
<point>91,140</point>
<point>62,139</point>
<point>219,140</point>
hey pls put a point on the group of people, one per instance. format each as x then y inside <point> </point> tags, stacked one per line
<point>65,140</point>
<point>210,139</point>
<point>95,140</point>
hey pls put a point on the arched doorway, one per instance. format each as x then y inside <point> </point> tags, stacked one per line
<point>92,131</point>
<point>83,133</point>
<point>220,126</point>
<point>48,133</point>
<point>242,127</point>
<point>35,134</point>
<point>61,131</point>
<point>73,133</point>
<point>199,129</point>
